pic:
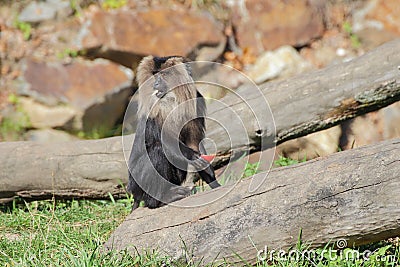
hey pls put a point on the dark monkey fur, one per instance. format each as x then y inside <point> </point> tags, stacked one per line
<point>171,111</point>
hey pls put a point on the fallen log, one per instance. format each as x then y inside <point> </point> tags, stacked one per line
<point>300,105</point>
<point>80,169</point>
<point>312,101</point>
<point>352,195</point>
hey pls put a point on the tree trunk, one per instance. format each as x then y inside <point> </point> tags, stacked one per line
<point>300,105</point>
<point>89,169</point>
<point>352,195</point>
<point>311,101</point>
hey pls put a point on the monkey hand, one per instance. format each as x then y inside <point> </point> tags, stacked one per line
<point>177,193</point>
<point>200,163</point>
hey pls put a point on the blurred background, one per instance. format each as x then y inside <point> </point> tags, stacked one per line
<point>68,67</point>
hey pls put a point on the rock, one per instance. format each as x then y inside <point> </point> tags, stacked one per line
<point>266,25</point>
<point>336,13</point>
<point>217,80</point>
<point>209,53</point>
<point>373,127</point>
<point>125,36</point>
<point>98,92</point>
<point>377,22</point>
<point>322,55</point>
<point>63,8</point>
<point>282,62</point>
<point>334,47</point>
<point>37,12</point>
<point>378,14</point>
<point>371,38</point>
<point>391,121</point>
<point>49,135</point>
<point>314,145</point>
<point>43,116</point>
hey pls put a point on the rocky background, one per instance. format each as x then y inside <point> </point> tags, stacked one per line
<point>68,67</point>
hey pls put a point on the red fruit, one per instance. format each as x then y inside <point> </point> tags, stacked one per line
<point>209,158</point>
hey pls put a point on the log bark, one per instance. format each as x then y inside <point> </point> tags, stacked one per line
<point>352,195</point>
<point>80,169</point>
<point>313,101</point>
<point>300,105</point>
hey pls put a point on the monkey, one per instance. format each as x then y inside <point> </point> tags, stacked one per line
<point>171,125</point>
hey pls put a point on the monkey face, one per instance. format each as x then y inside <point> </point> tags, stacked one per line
<point>160,86</point>
<point>169,79</point>
<point>163,89</point>
<point>166,83</point>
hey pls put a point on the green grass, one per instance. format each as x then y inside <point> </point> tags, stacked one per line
<point>99,132</point>
<point>47,233</point>
<point>283,161</point>
<point>25,28</point>
<point>70,233</point>
<point>251,169</point>
<point>355,41</point>
<point>11,128</point>
<point>113,4</point>
<point>67,52</point>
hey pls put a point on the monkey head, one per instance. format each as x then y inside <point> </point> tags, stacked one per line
<point>169,72</point>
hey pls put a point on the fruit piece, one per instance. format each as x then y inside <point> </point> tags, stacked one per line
<point>209,158</point>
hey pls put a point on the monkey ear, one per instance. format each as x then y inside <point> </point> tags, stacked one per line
<point>145,69</point>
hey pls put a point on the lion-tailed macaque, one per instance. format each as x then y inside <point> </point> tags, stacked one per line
<point>171,126</point>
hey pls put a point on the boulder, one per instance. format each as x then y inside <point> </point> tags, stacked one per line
<point>378,14</point>
<point>83,95</point>
<point>314,145</point>
<point>266,25</point>
<point>49,135</point>
<point>280,63</point>
<point>36,12</point>
<point>43,116</point>
<point>377,22</point>
<point>371,128</point>
<point>125,36</point>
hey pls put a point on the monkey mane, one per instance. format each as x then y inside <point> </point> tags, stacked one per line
<point>145,70</point>
<point>152,107</point>
<point>149,64</point>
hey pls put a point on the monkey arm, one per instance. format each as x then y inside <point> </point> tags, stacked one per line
<point>204,168</point>
<point>208,176</point>
<point>179,153</point>
<point>187,155</point>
